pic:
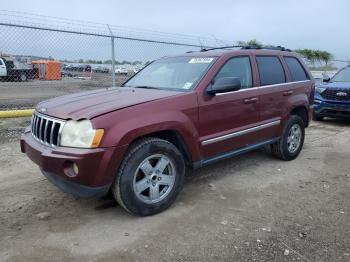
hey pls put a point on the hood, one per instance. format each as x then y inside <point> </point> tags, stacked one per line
<point>338,85</point>
<point>86,105</point>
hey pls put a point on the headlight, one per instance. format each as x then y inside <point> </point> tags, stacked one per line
<point>80,134</point>
<point>320,89</point>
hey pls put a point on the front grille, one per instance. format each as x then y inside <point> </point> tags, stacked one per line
<point>46,129</point>
<point>331,94</point>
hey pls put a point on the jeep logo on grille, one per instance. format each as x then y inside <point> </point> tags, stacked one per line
<point>341,94</point>
<point>42,109</point>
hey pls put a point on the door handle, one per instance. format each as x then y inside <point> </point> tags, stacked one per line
<point>288,93</point>
<point>251,100</point>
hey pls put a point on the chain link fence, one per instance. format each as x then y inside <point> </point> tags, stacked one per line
<point>43,57</point>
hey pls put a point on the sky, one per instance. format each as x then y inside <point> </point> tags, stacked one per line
<point>294,24</point>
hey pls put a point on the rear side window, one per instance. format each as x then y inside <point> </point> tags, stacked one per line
<point>238,67</point>
<point>270,70</point>
<point>0,61</point>
<point>296,69</point>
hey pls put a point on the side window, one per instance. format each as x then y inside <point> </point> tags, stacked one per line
<point>270,70</point>
<point>296,69</point>
<point>238,67</point>
<point>0,61</point>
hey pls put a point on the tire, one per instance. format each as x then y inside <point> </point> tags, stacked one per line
<point>283,148</point>
<point>150,177</point>
<point>23,77</point>
<point>317,117</point>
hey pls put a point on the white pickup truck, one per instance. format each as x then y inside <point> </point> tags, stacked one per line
<point>9,72</point>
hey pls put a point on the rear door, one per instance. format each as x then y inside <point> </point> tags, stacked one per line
<point>3,71</point>
<point>273,91</point>
<point>225,117</point>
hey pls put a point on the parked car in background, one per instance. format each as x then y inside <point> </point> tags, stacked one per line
<point>178,113</point>
<point>100,69</point>
<point>77,68</point>
<point>332,98</point>
<point>10,73</point>
<point>121,71</point>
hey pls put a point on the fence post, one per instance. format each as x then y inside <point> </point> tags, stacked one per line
<point>113,57</point>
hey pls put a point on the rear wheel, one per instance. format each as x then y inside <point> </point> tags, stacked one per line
<point>150,177</point>
<point>23,77</point>
<point>292,140</point>
<point>317,117</point>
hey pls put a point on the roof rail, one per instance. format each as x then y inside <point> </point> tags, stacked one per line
<point>279,48</point>
<point>221,47</point>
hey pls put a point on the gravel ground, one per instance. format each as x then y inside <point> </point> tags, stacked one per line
<point>248,208</point>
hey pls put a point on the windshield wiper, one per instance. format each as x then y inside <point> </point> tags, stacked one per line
<point>146,87</point>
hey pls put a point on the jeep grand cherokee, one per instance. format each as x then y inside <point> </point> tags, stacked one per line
<point>178,113</point>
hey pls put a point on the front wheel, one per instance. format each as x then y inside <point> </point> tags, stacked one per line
<point>150,177</point>
<point>292,140</point>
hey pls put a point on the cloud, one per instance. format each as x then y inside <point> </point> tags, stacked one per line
<point>294,24</point>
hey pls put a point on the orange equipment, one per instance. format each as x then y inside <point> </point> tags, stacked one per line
<point>48,69</point>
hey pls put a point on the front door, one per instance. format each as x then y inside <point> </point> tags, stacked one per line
<point>225,118</point>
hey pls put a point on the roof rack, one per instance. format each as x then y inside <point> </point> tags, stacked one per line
<point>279,48</point>
<point>221,47</point>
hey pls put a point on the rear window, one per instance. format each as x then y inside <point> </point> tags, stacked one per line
<point>296,69</point>
<point>270,70</point>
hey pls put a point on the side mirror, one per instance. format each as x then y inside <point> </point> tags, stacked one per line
<point>325,78</point>
<point>224,85</point>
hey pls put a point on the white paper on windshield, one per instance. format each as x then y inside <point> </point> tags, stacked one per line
<point>201,60</point>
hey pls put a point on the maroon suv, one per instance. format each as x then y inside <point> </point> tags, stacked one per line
<point>178,113</point>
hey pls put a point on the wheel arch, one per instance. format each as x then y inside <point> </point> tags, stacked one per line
<point>172,136</point>
<point>302,112</point>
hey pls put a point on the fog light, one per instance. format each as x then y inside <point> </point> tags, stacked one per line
<point>75,168</point>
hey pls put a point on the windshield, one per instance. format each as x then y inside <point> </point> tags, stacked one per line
<point>342,76</point>
<point>180,73</point>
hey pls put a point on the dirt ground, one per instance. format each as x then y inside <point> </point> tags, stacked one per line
<point>248,208</point>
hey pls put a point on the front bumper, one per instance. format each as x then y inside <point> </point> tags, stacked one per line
<point>75,189</point>
<point>332,108</point>
<point>97,167</point>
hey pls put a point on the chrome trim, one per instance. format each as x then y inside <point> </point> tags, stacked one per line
<point>51,133</point>
<point>236,152</point>
<point>34,127</point>
<point>45,132</point>
<point>32,123</point>
<point>260,87</point>
<point>41,120</point>
<point>240,133</point>
<point>38,124</point>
